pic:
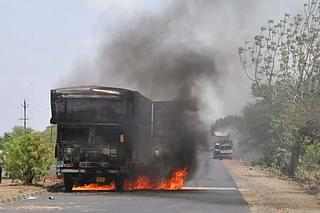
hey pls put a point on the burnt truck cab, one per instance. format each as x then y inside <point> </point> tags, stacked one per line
<point>102,133</point>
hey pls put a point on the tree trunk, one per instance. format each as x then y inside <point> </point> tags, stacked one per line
<point>30,179</point>
<point>294,158</point>
<point>28,176</point>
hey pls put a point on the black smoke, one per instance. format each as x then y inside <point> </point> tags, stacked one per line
<point>147,56</point>
<point>165,57</point>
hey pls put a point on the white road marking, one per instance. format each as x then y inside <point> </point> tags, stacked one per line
<point>210,188</point>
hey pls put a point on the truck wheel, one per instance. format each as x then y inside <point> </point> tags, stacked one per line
<point>119,183</point>
<point>68,184</point>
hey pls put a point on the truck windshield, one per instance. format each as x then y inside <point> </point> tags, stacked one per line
<point>90,110</point>
<point>79,135</point>
<point>225,147</point>
<point>96,135</point>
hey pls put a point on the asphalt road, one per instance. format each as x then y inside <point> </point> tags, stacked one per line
<point>211,190</point>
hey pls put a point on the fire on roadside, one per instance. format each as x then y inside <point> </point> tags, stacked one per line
<point>175,182</point>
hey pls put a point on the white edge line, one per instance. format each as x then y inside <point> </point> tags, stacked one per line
<point>210,188</point>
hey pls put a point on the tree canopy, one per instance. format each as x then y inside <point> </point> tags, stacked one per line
<point>27,156</point>
<point>283,63</point>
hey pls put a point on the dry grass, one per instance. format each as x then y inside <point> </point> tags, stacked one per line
<point>265,192</point>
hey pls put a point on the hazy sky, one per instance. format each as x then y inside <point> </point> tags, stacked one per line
<point>42,40</point>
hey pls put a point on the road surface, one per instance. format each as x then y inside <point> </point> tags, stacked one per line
<point>211,190</point>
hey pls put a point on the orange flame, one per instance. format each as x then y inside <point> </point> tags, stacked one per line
<point>95,187</point>
<point>175,182</point>
<point>141,183</point>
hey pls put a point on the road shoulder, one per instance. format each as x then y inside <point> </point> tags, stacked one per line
<point>13,190</point>
<point>265,192</point>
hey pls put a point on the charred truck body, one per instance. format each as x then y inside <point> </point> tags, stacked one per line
<point>103,133</point>
<point>166,135</point>
<point>167,122</point>
<point>222,146</point>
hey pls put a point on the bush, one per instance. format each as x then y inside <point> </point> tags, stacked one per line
<point>309,168</point>
<point>27,157</point>
<point>276,159</point>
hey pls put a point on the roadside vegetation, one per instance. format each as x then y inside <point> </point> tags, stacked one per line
<point>282,125</point>
<point>27,155</point>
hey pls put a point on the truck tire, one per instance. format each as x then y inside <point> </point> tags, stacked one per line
<point>119,183</point>
<point>68,184</point>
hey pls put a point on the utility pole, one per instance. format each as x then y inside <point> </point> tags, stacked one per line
<point>25,105</point>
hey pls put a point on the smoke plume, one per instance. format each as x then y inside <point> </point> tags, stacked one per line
<point>186,52</point>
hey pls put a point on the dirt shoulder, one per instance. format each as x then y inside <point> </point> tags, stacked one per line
<point>265,192</point>
<point>10,191</point>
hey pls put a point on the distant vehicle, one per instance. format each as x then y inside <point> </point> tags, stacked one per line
<point>222,146</point>
<point>103,133</point>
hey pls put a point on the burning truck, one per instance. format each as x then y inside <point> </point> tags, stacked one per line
<point>106,136</point>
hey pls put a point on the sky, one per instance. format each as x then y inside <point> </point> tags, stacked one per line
<point>41,41</point>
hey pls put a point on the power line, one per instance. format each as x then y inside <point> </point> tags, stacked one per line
<point>24,105</point>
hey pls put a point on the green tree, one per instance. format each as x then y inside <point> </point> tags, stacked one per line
<point>283,62</point>
<point>27,157</point>
<point>19,130</point>
<point>1,143</point>
<point>49,134</point>
<point>15,132</point>
<point>48,138</point>
<point>1,154</point>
